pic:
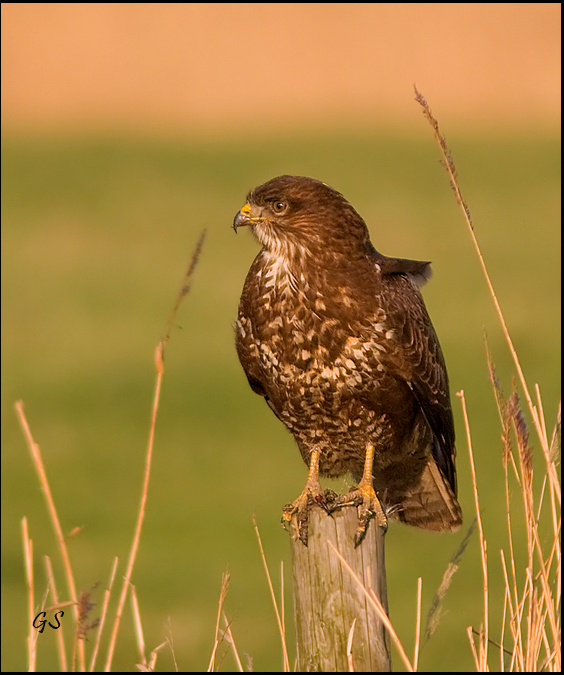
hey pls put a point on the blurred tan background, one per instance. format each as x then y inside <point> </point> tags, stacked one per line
<point>211,68</point>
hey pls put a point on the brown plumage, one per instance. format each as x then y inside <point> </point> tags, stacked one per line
<point>337,339</point>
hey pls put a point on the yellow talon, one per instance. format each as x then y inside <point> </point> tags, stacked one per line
<point>302,505</point>
<point>366,498</point>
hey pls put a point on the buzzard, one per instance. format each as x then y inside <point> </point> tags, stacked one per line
<point>336,338</point>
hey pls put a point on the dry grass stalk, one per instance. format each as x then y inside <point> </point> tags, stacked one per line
<point>60,636</point>
<point>279,617</point>
<point>229,636</point>
<point>537,420</point>
<point>417,625</point>
<point>184,290</point>
<point>140,516</point>
<point>533,611</point>
<point>217,640</point>
<point>282,606</point>
<point>349,647</point>
<point>82,605</point>
<point>469,633</point>
<point>434,613</point>
<point>40,468</point>
<point>83,625</point>
<point>150,667</point>
<point>102,622</point>
<point>376,605</point>
<point>484,632</point>
<point>451,170</point>
<point>138,629</point>
<point>159,362</point>
<point>536,608</point>
<point>28,558</point>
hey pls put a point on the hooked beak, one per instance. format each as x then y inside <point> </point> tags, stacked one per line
<point>242,218</point>
<point>248,216</point>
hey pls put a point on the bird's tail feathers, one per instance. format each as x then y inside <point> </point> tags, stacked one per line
<point>430,505</point>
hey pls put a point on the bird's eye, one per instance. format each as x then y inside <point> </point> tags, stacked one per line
<point>279,206</point>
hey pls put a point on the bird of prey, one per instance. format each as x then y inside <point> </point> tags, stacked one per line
<point>336,337</point>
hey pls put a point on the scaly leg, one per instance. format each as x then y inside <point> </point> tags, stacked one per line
<point>365,497</point>
<point>311,494</point>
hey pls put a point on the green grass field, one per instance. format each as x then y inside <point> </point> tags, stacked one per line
<point>97,233</point>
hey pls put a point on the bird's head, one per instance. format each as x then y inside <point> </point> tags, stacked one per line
<point>295,214</point>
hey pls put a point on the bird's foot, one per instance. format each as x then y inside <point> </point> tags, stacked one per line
<point>369,505</point>
<point>312,494</point>
<point>365,498</point>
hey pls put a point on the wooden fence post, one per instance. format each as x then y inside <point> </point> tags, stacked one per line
<point>327,599</point>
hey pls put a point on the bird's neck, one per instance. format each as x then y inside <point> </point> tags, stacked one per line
<point>301,272</point>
